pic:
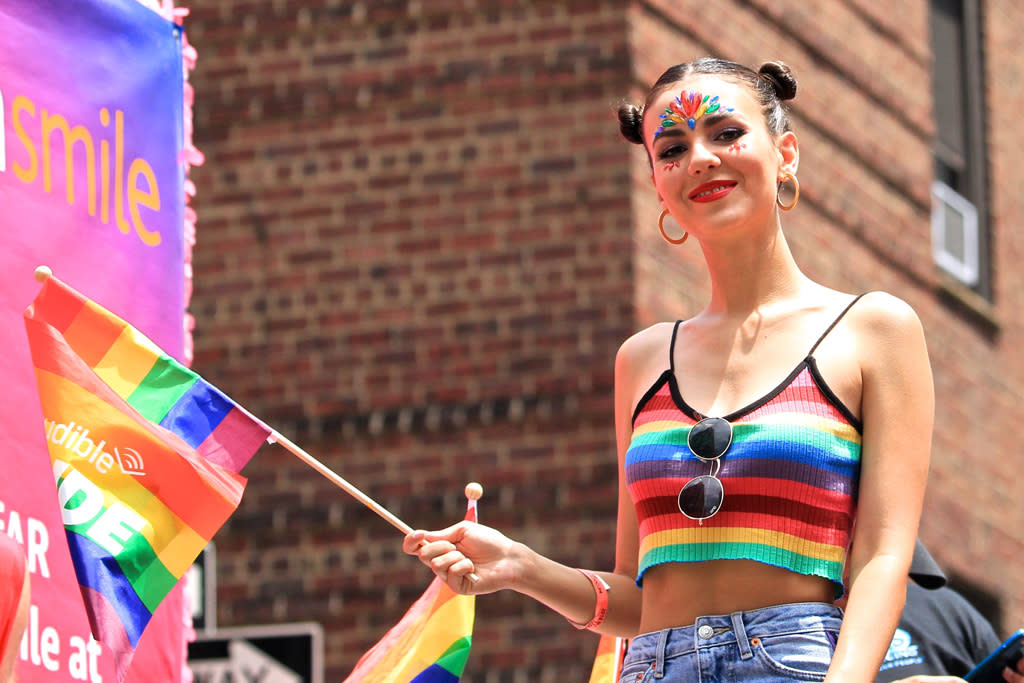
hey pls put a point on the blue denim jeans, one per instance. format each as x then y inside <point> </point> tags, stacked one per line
<point>780,643</point>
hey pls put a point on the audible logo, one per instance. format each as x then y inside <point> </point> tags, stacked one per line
<point>75,438</point>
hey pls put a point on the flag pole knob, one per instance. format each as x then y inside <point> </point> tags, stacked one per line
<point>43,273</point>
<point>474,491</point>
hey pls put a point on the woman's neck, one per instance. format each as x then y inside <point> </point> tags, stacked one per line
<point>748,274</point>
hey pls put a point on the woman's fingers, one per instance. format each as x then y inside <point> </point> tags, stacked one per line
<point>454,568</point>
<point>442,560</point>
<point>457,553</point>
<point>412,542</point>
<point>461,568</point>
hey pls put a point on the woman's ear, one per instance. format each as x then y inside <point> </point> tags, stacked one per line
<point>661,202</point>
<point>789,152</point>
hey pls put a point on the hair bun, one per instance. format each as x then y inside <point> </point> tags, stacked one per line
<point>631,123</point>
<point>781,79</point>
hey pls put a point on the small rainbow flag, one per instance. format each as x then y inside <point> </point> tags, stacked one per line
<point>608,660</point>
<point>145,454</point>
<point>431,642</point>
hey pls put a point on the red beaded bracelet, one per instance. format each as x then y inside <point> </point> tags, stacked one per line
<point>601,607</point>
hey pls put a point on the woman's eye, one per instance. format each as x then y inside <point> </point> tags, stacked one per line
<point>731,134</point>
<point>671,151</point>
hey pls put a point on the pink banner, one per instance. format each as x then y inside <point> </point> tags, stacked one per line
<point>91,185</point>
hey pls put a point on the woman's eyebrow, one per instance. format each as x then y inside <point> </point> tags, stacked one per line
<point>673,132</point>
<point>706,120</point>
<point>712,119</point>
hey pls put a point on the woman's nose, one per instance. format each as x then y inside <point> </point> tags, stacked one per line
<point>702,159</point>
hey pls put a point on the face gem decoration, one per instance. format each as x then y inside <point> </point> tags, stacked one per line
<point>687,108</point>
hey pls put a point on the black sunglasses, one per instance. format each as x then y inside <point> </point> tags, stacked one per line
<point>701,497</point>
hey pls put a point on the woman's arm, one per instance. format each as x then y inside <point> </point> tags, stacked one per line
<point>501,563</point>
<point>897,410</point>
<point>550,582</point>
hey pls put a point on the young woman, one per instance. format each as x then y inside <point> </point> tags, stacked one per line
<point>751,436</point>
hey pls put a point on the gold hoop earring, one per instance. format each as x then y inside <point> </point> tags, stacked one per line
<point>661,227</point>
<point>796,192</point>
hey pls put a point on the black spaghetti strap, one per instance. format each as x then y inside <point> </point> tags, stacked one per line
<point>672,348</point>
<point>835,322</point>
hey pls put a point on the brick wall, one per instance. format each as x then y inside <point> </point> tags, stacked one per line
<point>421,240</point>
<point>388,189</point>
<point>977,449</point>
<point>414,257</point>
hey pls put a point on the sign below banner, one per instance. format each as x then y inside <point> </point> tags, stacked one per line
<point>201,589</point>
<point>281,653</point>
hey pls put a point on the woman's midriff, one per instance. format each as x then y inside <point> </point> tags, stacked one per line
<point>675,594</point>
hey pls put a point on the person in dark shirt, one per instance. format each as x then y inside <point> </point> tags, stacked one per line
<point>941,636</point>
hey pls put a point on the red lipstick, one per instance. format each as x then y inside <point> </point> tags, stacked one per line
<point>712,190</point>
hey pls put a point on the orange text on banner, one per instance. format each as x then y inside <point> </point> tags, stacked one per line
<point>27,118</point>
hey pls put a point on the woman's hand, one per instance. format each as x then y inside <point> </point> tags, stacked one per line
<point>467,548</point>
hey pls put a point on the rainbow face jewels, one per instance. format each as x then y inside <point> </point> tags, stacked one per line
<point>687,108</point>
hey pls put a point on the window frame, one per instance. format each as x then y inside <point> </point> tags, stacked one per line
<point>974,166</point>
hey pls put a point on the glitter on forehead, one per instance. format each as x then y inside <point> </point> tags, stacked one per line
<point>687,108</point>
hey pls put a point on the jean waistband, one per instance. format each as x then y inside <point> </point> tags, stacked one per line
<point>738,628</point>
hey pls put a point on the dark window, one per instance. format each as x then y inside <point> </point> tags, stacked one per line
<point>960,234</point>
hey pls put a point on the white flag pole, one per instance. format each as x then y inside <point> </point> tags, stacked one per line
<point>276,437</point>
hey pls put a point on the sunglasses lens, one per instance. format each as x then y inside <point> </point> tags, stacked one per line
<point>701,497</point>
<point>710,438</point>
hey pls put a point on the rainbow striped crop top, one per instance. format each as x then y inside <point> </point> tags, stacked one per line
<point>790,477</point>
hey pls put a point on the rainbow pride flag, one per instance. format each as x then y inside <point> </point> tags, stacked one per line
<point>145,455</point>
<point>608,660</point>
<point>431,642</point>
<point>159,388</point>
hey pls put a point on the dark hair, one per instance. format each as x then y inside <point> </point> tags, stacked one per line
<point>771,85</point>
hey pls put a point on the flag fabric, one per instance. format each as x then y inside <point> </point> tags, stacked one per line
<point>159,388</point>
<point>431,642</point>
<point>608,660</point>
<point>145,455</point>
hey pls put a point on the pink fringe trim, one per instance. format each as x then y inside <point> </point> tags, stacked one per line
<point>191,157</point>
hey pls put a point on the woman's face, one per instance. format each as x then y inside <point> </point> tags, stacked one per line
<point>716,167</point>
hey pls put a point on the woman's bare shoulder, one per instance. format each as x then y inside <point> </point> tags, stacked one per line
<point>884,317</point>
<point>647,342</point>
<point>641,358</point>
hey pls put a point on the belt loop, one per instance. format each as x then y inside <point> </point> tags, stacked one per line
<point>741,635</point>
<point>659,657</point>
